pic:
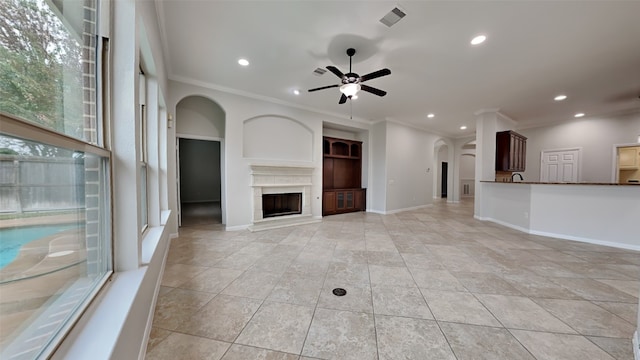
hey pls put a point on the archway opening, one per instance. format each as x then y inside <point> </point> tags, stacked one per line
<point>200,128</point>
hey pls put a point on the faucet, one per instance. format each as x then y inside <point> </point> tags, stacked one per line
<point>514,174</point>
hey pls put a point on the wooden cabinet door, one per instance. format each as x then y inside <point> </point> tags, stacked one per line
<point>328,202</point>
<point>511,151</point>
<point>348,200</point>
<point>340,201</point>
<point>628,158</point>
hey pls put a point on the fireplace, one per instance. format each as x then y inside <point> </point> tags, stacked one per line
<point>281,196</point>
<point>281,204</point>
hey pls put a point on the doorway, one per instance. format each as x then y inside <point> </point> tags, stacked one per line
<point>560,166</point>
<point>199,182</point>
<point>443,181</point>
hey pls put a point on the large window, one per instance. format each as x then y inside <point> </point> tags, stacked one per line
<point>55,226</point>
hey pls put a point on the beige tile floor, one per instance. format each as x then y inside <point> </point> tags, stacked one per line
<point>427,284</point>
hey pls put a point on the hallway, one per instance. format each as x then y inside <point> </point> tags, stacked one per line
<point>432,283</point>
<point>201,213</point>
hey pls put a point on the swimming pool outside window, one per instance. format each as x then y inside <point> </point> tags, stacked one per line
<point>55,224</point>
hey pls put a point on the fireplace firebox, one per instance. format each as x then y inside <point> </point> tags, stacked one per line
<point>281,204</point>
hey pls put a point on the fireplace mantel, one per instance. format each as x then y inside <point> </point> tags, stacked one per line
<point>268,175</point>
<point>277,179</point>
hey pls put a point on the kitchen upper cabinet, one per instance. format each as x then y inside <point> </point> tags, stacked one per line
<point>628,158</point>
<point>511,151</point>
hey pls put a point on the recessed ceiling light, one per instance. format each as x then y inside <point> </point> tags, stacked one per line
<point>578,115</point>
<point>478,40</point>
<point>430,116</point>
<point>243,62</point>
<point>296,92</point>
<point>560,97</point>
<point>354,97</point>
<point>463,127</point>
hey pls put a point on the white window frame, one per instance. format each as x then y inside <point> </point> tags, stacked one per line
<point>143,153</point>
<point>36,133</point>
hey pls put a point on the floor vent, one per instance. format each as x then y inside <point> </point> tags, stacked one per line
<point>339,292</point>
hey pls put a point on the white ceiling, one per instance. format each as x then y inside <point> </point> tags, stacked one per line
<point>535,50</point>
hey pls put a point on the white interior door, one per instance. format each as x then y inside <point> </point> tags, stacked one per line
<point>561,166</point>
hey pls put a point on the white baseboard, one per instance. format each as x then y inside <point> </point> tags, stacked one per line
<point>561,236</point>
<point>587,240</point>
<point>503,223</point>
<point>636,346</point>
<point>236,228</point>
<point>408,209</point>
<point>173,236</point>
<point>280,222</point>
<point>398,210</point>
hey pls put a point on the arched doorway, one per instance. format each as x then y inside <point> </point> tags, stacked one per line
<point>443,170</point>
<point>467,170</point>
<point>200,129</point>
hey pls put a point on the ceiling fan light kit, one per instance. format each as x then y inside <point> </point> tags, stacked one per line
<point>351,83</point>
<point>350,89</point>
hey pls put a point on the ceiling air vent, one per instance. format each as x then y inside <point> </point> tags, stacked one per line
<point>319,71</point>
<point>393,17</point>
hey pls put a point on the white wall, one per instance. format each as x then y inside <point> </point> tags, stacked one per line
<point>596,136</point>
<point>487,124</point>
<point>409,152</point>
<point>378,197</point>
<point>277,138</point>
<point>341,134</point>
<point>600,214</point>
<point>199,116</point>
<point>238,110</point>
<point>467,166</point>
<point>507,204</point>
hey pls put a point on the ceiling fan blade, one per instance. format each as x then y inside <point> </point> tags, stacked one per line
<point>375,74</point>
<point>324,87</point>
<point>373,90</point>
<point>343,99</point>
<point>335,70</point>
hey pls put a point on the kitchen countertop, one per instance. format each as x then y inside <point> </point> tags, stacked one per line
<point>556,183</point>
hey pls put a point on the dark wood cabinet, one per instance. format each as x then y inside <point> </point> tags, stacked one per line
<point>342,176</point>
<point>339,201</point>
<point>511,151</point>
<point>328,202</point>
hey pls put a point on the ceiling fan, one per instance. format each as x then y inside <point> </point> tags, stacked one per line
<point>351,83</point>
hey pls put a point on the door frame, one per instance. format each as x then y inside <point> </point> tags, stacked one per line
<point>444,180</point>
<point>578,148</point>
<point>614,160</point>
<point>223,166</point>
